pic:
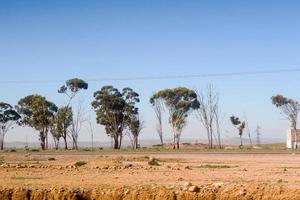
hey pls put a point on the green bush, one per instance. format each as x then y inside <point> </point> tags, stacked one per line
<point>80,163</point>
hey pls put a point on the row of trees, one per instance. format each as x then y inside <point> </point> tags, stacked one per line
<point>117,111</point>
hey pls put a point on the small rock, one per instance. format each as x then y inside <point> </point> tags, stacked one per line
<point>180,179</point>
<point>128,166</point>
<point>194,189</point>
<point>188,167</point>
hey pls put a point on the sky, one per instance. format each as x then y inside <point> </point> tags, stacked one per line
<point>59,40</point>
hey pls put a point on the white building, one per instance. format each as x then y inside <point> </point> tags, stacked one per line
<point>291,138</point>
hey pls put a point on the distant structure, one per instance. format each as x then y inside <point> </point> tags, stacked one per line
<point>292,142</point>
<point>258,134</point>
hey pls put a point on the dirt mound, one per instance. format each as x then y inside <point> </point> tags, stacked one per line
<point>206,192</point>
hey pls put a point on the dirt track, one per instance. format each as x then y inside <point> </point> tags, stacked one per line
<point>129,176</point>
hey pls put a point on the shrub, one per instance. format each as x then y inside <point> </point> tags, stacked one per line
<point>153,162</point>
<point>51,159</point>
<point>80,163</point>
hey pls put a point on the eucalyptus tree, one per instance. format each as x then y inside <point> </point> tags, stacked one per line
<point>8,119</point>
<point>135,127</point>
<point>290,108</point>
<point>179,102</point>
<point>70,90</point>
<point>239,125</point>
<point>60,125</point>
<point>37,112</point>
<point>114,109</point>
<point>157,106</point>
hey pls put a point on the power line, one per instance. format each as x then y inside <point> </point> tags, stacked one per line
<point>139,78</point>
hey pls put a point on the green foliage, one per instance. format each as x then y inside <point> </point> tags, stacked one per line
<point>7,114</point>
<point>34,150</point>
<point>237,123</point>
<point>12,150</point>
<point>180,102</point>
<point>74,85</point>
<point>114,110</point>
<point>153,162</point>
<point>8,118</point>
<point>80,163</point>
<point>61,122</point>
<point>37,113</point>
<point>289,107</point>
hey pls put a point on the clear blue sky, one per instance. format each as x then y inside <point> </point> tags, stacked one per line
<point>49,40</point>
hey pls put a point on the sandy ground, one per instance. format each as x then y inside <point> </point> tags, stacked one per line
<point>175,170</point>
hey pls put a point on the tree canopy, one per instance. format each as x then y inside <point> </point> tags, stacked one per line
<point>37,112</point>
<point>114,110</point>
<point>179,102</point>
<point>8,117</point>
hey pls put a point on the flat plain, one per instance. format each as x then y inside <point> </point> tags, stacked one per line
<point>264,174</point>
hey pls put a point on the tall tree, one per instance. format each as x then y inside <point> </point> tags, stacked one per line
<point>60,125</point>
<point>290,108</point>
<point>135,127</point>
<point>239,125</point>
<point>157,106</point>
<point>179,102</point>
<point>114,109</point>
<point>77,123</point>
<point>8,118</point>
<point>38,113</point>
<point>71,89</point>
<point>209,114</point>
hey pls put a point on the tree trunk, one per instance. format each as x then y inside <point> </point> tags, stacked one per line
<point>56,142</point>
<point>65,140</point>
<point>177,144</point>
<point>2,143</point>
<point>136,142</point>
<point>120,139</point>
<point>116,142</point>
<point>2,140</point>
<point>211,137</point>
<point>174,142</point>
<point>46,139</point>
<point>42,140</point>
<point>75,144</point>
<point>241,140</point>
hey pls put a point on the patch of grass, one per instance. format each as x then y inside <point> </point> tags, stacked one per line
<point>279,181</point>
<point>34,150</point>
<point>119,158</point>
<point>80,163</point>
<point>25,178</point>
<point>153,162</point>
<point>87,149</point>
<point>51,159</point>
<point>214,166</point>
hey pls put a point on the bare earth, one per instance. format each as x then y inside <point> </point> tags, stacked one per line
<point>110,175</point>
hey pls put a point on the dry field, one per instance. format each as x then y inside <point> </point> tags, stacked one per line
<point>177,175</point>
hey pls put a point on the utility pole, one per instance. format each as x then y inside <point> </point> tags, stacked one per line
<point>258,134</point>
